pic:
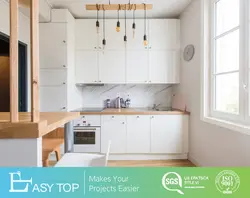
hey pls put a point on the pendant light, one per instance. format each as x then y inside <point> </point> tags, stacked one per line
<point>145,40</point>
<point>118,25</point>
<point>97,21</point>
<point>104,31</point>
<point>134,25</point>
<point>125,36</point>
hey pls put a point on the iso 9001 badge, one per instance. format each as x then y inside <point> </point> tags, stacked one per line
<point>227,182</point>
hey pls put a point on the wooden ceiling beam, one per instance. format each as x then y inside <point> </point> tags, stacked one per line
<point>116,6</point>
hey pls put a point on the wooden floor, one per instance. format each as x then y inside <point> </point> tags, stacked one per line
<point>149,163</point>
<point>152,163</point>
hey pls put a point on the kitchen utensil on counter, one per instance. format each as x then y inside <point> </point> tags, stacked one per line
<point>108,103</point>
<point>127,103</point>
<point>118,103</point>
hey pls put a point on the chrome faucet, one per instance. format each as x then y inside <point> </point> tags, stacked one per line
<point>155,106</point>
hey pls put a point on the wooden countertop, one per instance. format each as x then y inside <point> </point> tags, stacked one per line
<point>49,121</point>
<point>136,111</point>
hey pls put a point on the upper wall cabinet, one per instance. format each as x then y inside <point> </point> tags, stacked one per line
<point>53,35</point>
<point>156,63</point>
<point>164,34</point>
<point>135,40</point>
<point>86,34</point>
<point>87,70</point>
<point>112,66</point>
<point>114,40</point>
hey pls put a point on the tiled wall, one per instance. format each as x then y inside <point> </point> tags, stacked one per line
<point>140,95</point>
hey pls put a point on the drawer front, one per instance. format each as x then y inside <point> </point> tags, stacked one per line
<point>88,120</point>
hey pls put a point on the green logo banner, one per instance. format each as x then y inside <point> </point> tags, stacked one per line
<point>125,182</point>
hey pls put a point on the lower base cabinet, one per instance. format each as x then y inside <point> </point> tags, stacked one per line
<point>144,134</point>
<point>114,129</point>
<point>138,134</point>
<point>169,134</point>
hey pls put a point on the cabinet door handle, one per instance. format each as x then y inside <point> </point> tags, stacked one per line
<point>123,122</point>
<point>113,116</point>
<point>95,47</point>
<point>138,116</point>
<point>64,41</point>
<point>152,117</point>
<point>64,65</point>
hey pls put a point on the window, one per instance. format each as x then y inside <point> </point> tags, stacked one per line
<point>227,68</point>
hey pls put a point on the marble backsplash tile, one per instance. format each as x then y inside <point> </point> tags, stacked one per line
<point>140,95</point>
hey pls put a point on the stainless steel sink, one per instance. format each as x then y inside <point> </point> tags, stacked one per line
<point>163,109</point>
<point>156,109</point>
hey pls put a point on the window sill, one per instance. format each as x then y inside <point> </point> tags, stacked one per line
<point>228,125</point>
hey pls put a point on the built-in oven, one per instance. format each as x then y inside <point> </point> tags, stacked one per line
<point>87,139</point>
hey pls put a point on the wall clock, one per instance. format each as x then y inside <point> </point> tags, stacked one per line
<point>188,53</point>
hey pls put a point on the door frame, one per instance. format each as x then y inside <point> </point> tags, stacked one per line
<point>23,72</point>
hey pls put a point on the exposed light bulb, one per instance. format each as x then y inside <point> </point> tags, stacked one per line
<point>118,26</point>
<point>133,27</point>
<point>97,27</point>
<point>145,41</point>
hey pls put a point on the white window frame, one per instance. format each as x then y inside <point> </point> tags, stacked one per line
<point>235,122</point>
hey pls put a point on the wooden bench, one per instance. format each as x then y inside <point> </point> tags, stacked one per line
<point>52,143</point>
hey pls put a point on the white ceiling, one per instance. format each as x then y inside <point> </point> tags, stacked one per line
<point>161,8</point>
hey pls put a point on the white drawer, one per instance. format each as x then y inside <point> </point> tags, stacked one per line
<point>88,120</point>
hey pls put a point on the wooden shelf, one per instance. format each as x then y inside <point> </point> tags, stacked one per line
<point>49,121</point>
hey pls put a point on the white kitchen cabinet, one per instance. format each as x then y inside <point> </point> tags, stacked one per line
<point>57,63</point>
<point>164,66</point>
<point>114,40</point>
<point>138,134</point>
<point>157,63</point>
<point>53,98</point>
<point>137,66</point>
<point>164,34</point>
<point>114,129</point>
<point>87,68</point>
<point>136,42</point>
<point>53,45</point>
<point>53,77</point>
<point>169,134</point>
<point>86,34</point>
<point>112,66</point>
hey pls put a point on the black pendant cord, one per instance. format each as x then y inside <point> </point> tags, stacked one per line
<point>125,13</point>
<point>145,18</point>
<point>145,40</point>
<point>104,31</point>
<point>97,17</point>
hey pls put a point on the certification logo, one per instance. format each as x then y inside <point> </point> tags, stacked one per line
<point>227,182</point>
<point>172,181</point>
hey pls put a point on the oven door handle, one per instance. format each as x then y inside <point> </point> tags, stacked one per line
<point>85,129</point>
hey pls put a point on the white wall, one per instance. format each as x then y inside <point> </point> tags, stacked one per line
<point>24,32</point>
<point>210,145</point>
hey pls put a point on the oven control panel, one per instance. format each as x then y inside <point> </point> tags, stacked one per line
<point>89,120</point>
